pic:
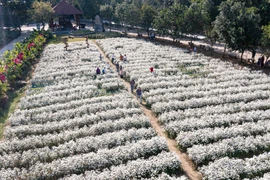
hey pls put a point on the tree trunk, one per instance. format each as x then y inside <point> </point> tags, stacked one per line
<point>224,51</point>
<point>242,55</point>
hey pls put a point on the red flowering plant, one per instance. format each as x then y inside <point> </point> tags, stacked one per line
<point>3,82</point>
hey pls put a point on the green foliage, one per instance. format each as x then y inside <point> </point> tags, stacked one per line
<point>265,41</point>
<point>238,26</point>
<point>18,9</point>
<point>41,12</point>
<point>105,35</point>
<point>17,62</point>
<point>148,14</point>
<point>7,35</point>
<point>194,19</point>
<point>134,15</point>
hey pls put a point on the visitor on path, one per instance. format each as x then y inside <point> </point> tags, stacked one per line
<point>100,57</point>
<point>151,69</point>
<point>139,94</point>
<point>125,58</point>
<point>121,57</point>
<point>121,73</point>
<point>113,58</point>
<point>259,61</point>
<point>97,71</point>
<point>262,61</point>
<point>104,70</point>
<point>117,66</point>
<point>132,84</point>
<point>195,49</point>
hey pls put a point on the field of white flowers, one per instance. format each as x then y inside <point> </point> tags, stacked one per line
<point>219,114</point>
<point>72,124</point>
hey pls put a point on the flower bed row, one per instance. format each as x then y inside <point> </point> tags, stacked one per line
<point>213,109</point>
<point>59,131</point>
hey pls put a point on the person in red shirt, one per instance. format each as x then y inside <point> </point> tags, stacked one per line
<point>151,69</point>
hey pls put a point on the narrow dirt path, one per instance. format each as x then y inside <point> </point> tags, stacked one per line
<point>186,163</point>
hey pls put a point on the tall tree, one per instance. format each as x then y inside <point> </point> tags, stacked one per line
<point>18,9</point>
<point>148,15</point>
<point>194,20</point>
<point>133,16</point>
<point>90,8</point>
<point>265,41</point>
<point>121,12</point>
<point>238,26</point>
<point>106,11</point>
<point>41,12</point>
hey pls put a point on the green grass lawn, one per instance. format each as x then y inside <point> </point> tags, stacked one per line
<point>10,107</point>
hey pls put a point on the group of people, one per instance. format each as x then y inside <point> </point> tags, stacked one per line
<point>263,62</point>
<point>138,90</point>
<point>119,69</point>
<point>98,71</point>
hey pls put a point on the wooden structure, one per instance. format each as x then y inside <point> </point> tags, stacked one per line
<point>64,10</point>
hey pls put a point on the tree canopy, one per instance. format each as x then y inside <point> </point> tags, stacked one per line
<point>240,24</point>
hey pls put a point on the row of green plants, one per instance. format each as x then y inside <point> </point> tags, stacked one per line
<point>15,64</point>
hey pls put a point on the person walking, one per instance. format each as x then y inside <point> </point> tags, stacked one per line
<point>113,58</point>
<point>121,57</point>
<point>195,49</point>
<point>125,58</point>
<point>100,57</point>
<point>139,94</point>
<point>117,66</point>
<point>104,70</point>
<point>262,61</point>
<point>97,71</point>
<point>132,83</point>
<point>151,69</point>
<point>121,73</point>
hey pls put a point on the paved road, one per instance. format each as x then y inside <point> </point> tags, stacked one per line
<point>217,47</point>
<point>25,33</point>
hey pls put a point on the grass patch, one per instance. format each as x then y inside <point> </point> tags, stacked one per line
<point>82,32</point>
<point>57,39</point>
<point>10,107</point>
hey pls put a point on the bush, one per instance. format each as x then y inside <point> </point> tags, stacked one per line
<point>18,61</point>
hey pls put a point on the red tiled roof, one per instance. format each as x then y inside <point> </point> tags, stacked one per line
<point>64,8</point>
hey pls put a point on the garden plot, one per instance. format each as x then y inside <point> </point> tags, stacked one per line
<point>218,114</point>
<point>73,123</point>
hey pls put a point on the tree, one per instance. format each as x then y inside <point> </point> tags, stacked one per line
<point>18,9</point>
<point>121,12</point>
<point>148,15</point>
<point>265,41</point>
<point>133,16</point>
<point>161,23</point>
<point>194,20</point>
<point>208,15</point>
<point>106,11</point>
<point>41,12</point>
<point>238,26</point>
<point>90,8</point>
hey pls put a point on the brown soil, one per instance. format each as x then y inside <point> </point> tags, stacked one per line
<point>186,163</point>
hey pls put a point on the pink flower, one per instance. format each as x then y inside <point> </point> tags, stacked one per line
<point>17,60</point>
<point>30,45</point>
<point>2,77</point>
<point>20,56</point>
